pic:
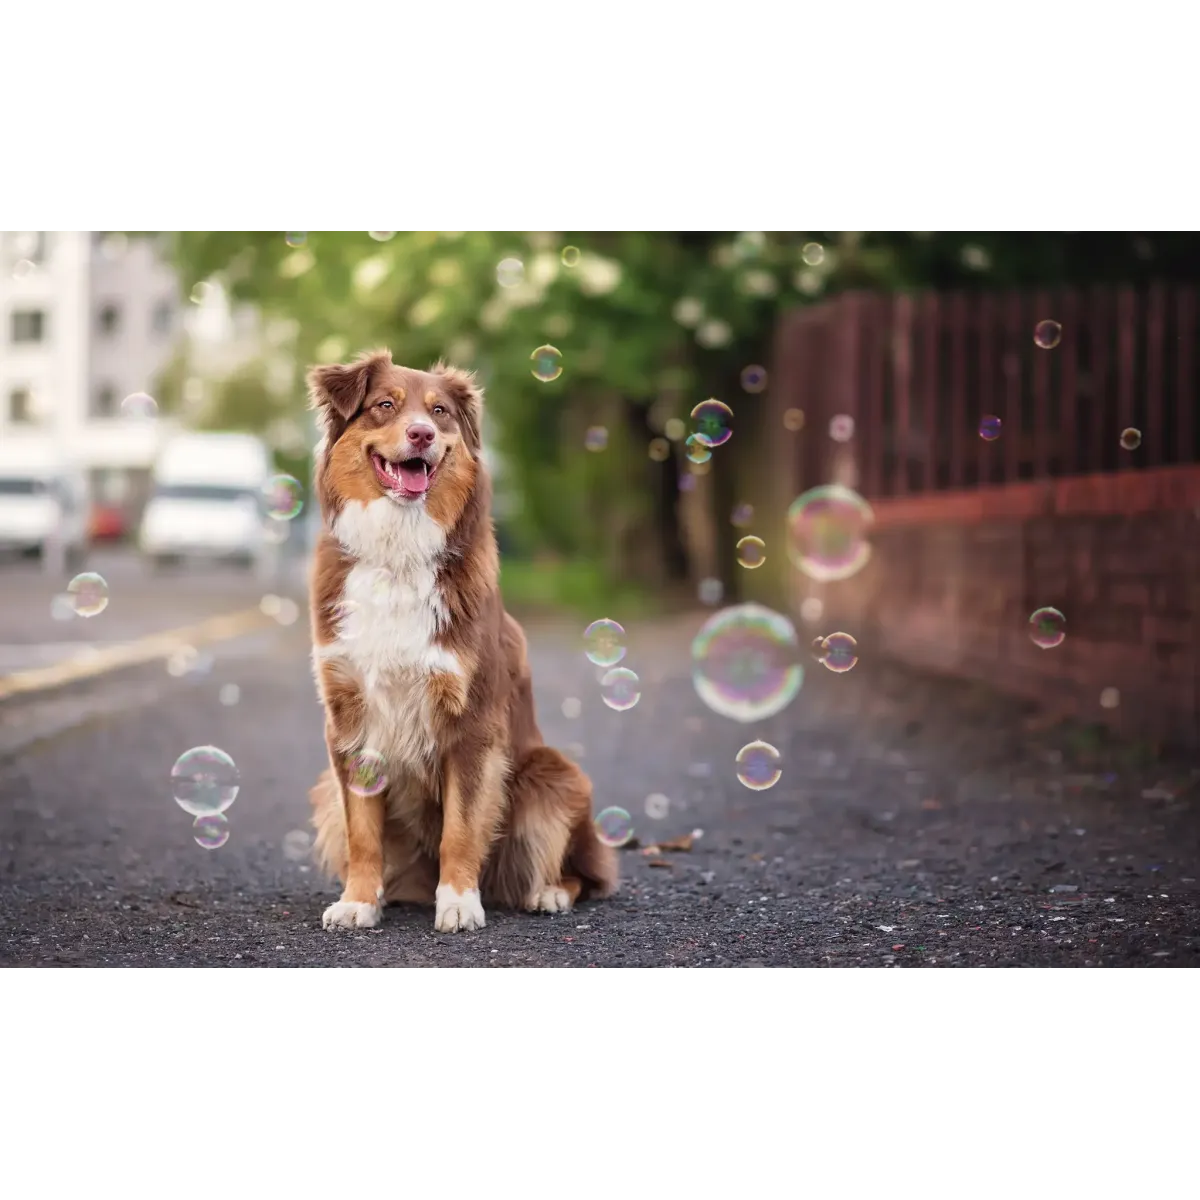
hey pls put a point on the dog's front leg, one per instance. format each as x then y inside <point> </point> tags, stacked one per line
<point>473,800</point>
<point>361,905</point>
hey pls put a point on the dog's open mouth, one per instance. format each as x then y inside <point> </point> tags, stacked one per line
<point>409,478</point>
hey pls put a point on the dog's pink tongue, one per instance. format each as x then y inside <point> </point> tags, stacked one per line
<point>415,479</point>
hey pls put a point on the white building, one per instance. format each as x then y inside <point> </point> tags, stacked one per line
<point>86,319</point>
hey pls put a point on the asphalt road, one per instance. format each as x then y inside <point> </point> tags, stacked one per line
<point>917,822</point>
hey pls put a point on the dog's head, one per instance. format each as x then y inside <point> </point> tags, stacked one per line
<point>412,437</point>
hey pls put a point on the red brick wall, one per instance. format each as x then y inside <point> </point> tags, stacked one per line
<point>954,577</point>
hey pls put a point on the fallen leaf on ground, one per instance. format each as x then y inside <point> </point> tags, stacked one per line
<point>680,844</point>
<point>661,862</point>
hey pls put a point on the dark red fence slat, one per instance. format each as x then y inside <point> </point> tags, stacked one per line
<point>1126,365</point>
<point>929,311</point>
<point>902,358</point>
<point>1068,403</point>
<point>1185,396</point>
<point>1041,395</point>
<point>1153,444</point>
<point>1010,365</point>
<point>958,389</point>
<point>873,316</point>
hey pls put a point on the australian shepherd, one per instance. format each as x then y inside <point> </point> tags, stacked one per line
<point>440,788</point>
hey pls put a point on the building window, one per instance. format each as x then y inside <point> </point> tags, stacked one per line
<point>28,326</point>
<point>110,319</point>
<point>162,317</point>
<point>20,406</point>
<point>104,402</point>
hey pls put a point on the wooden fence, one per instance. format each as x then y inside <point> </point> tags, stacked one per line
<point>919,373</point>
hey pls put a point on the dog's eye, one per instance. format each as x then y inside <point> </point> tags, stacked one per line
<point>386,404</point>
<point>438,410</point>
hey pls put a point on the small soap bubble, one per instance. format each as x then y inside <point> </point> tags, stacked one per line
<point>269,605</point>
<point>1047,334</point>
<point>596,439</point>
<point>510,272</point>
<point>23,268</point>
<point>697,450</point>
<point>572,706</point>
<point>571,256</point>
<point>989,428</point>
<point>712,422</point>
<point>204,780</point>
<point>366,773</point>
<point>1131,439</point>
<point>229,694</point>
<point>813,254</point>
<point>200,293</point>
<point>754,379</point>
<point>382,235</point>
<point>604,643</point>
<point>751,552</point>
<point>711,591</point>
<point>211,831</point>
<point>659,449</point>
<point>1047,628</point>
<point>138,406</point>
<point>88,594</point>
<point>297,845</point>
<point>742,515</point>
<point>295,239</point>
<point>283,496</point>
<point>818,647</point>
<point>657,806</point>
<point>839,653</point>
<point>758,766</point>
<point>547,363</point>
<point>827,532</point>
<point>841,428</point>
<point>793,420</point>
<point>614,827</point>
<point>1110,698</point>
<point>620,689</point>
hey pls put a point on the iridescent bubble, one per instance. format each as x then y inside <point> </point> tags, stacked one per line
<point>793,420</point>
<point>88,594</point>
<point>827,532</point>
<point>989,428</point>
<point>818,648</point>
<point>746,663</point>
<point>710,591</point>
<point>204,780</point>
<point>1047,334</point>
<point>596,439</point>
<point>839,653</point>
<point>758,766</point>
<point>660,450</point>
<point>382,235</point>
<point>295,239</point>
<point>366,773</point>
<point>604,643</point>
<point>547,363</point>
<point>742,515</point>
<point>751,552</point>
<point>697,450</point>
<point>571,256</point>
<point>620,689</point>
<point>1131,439</point>
<point>229,694</point>
<point>297,845</point>
<point>138,406</point>
<point>200,293</point>
<point>657,806</point>
<point>675,429</point>
<point>510,272</point>
<point>284,497</point>
<point>614,826</point>
<point>713,422</point>
<point>1047,628</point>
<point>841,428</point>
<point>813,254</point>
<point>754,379</point>
<point>211,831</point>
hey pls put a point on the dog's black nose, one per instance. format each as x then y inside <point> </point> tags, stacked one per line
<point>421,436</point>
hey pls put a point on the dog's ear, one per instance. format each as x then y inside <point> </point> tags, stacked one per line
<point>468,398</point>
<point>340,391</point>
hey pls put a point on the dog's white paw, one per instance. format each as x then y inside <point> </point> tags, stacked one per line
<point>458,911</point>
<point>549,900</point>
<point>350,914</point>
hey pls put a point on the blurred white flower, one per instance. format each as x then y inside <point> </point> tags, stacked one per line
<point>446,272</point>
<point>370,273</point>
<point>427,309</point>
<point>332,349</point>
<point>688,311</point>
<point>510,272</point>
<point>976,258</point>
<point>748,245</point>
<point>598,276</point>
<point>724,255</point>
<point>758,283</point>
<point>808,282</point>
<point>494,314</point>
<point>296,264</point>
<point>713,334</point>
<point>544,269</point>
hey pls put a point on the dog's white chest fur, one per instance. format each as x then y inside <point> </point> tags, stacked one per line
<point>391,612</point>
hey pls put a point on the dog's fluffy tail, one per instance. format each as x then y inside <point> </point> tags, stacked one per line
<point>592,861</point>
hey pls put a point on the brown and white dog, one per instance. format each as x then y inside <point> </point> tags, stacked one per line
<point>417,661</point>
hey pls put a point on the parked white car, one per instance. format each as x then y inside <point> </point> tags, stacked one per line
<point>44,502</point>
<point>206,501</point>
